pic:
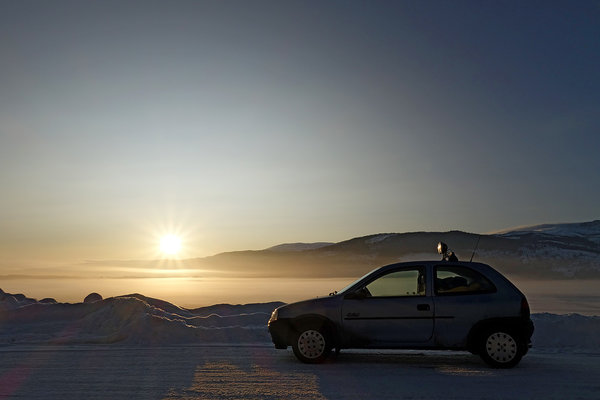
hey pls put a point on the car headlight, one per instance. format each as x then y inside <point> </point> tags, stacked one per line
<point>274,315</point>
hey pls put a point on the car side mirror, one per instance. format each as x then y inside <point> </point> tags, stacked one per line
<point>360,294</point>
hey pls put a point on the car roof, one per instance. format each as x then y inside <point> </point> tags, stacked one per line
<point>471,264</point>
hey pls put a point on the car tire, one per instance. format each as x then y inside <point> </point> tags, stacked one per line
<point>501,348</point>
<point>312,343</point>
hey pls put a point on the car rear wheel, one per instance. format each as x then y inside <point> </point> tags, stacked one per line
<point>312,344</point>
<point>500,348</point>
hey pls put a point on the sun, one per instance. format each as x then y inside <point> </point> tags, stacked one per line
<point>170,245</point>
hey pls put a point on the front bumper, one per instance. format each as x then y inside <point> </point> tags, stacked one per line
<point>280,333</point>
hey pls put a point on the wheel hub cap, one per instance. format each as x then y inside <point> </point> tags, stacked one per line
<point>311,344</point>
<point>501,347</point>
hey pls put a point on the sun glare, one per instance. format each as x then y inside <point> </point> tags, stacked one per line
<point>170,245</point>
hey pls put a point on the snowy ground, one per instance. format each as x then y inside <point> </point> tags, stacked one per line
<point>261,372</point>
<point>136,347</point>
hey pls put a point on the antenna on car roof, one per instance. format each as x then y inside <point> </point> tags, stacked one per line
<point>475,249</point>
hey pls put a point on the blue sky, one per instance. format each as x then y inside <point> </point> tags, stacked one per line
<point>241,125</point>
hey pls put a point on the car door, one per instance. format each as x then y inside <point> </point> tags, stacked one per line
<point>390,310</point>
<point>463,296</point>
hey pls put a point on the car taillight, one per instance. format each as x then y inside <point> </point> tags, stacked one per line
<point>525,312</point>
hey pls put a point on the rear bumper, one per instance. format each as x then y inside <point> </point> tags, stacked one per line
<point>528,330</point>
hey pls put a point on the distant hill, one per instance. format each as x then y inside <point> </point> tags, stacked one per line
<point>299,246</point>
<point>544,251</point>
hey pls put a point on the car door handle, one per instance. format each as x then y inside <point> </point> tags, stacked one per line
<point>423,307</point>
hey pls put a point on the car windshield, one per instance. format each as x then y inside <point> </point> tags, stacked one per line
<point>345,289</point>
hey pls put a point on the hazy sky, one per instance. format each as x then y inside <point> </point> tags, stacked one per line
<point>245,124</point>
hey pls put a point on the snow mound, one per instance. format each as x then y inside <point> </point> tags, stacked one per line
<point>11,301</point>
<point>92,298</point>
<point>126,320</point>
<point>570,331</point>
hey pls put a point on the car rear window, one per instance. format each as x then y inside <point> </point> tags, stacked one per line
<point>457,280</point>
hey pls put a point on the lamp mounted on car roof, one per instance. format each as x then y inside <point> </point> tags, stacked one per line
<point>447,255</point>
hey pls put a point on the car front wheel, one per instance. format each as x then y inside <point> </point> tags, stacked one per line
<point>500,348</point>
<point>312,344</point>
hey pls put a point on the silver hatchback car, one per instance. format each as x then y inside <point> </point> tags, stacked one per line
<point>414,305</point>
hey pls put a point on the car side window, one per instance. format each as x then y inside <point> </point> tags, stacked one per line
<point>407,282</point>
<point>456,280</point>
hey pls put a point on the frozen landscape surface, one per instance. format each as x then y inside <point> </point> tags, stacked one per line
<point>135,347</point>
<point>261,372</point>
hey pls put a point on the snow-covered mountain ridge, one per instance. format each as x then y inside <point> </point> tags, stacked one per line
<point>299,246</point>
<point>554,251</point>
<point>590,230</point>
